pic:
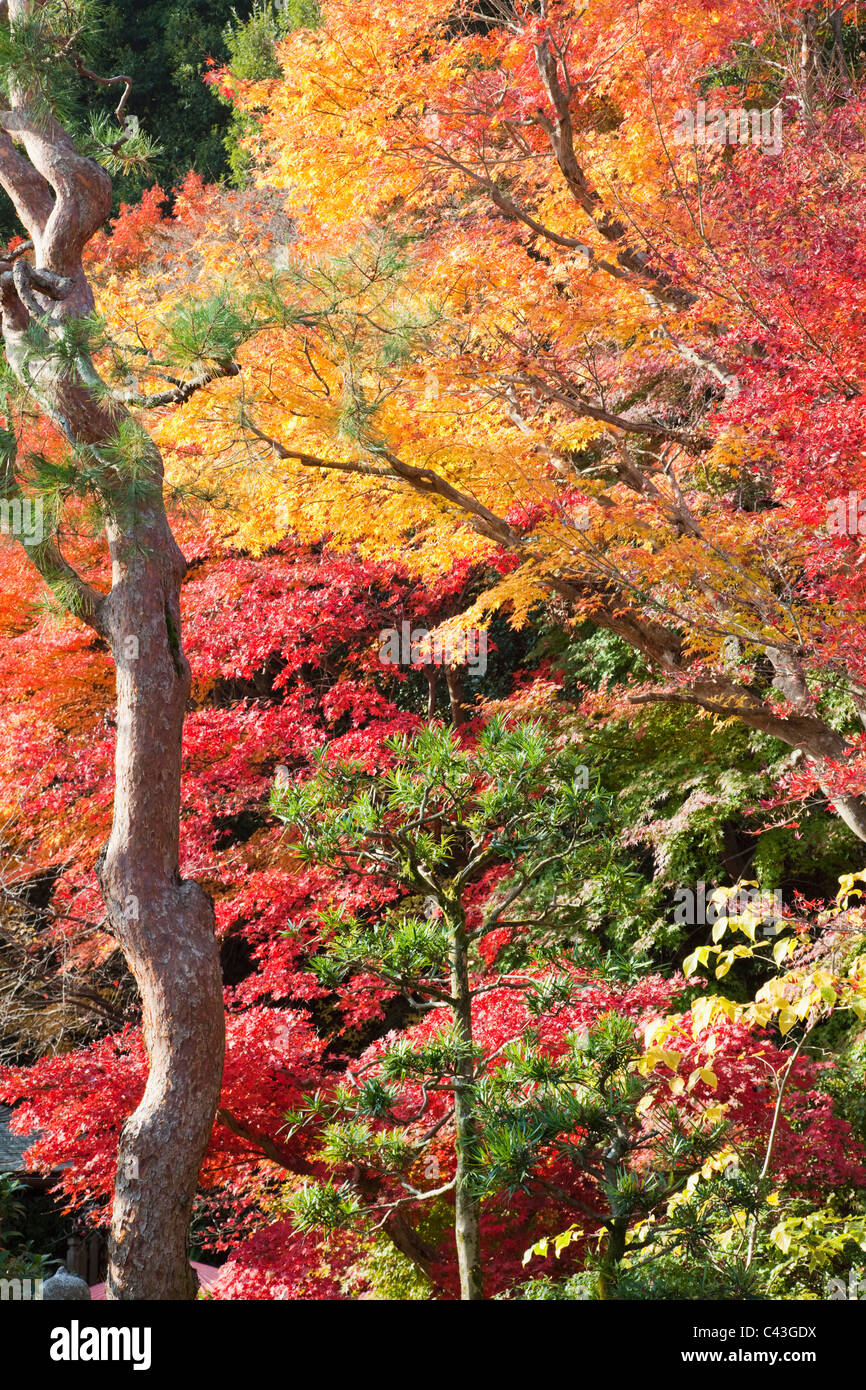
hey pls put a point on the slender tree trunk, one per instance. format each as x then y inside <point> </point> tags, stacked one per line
<point>432,675</point>
<point>456,696</point>
<point>613,1258</point>
<point>467,1207</point>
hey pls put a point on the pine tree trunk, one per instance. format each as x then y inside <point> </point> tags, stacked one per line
<point>613,1258</point>
<point>165,926</point>
<point>467,1207</point>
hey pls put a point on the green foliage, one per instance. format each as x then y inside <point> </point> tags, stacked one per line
<point>252,57</point>
<point>671,1277</point>
<point>252,43</point>
<point>18,1258</point>
<point>590,659</point>
<point>845,1081</point>
<point>327,1206</point>
<point>122,471</point>
<point>165,46</point>
<point>431,824</point>
<point>581,1287</point>
<point>129,151</point>
<point>389,1275</point>
<point>699,1253</point>
<point>206,330</point>
<point>809,1250</point>
<point>684,808</point>
<point>507,798</point>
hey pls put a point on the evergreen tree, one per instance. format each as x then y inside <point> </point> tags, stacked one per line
<point>433,824</point>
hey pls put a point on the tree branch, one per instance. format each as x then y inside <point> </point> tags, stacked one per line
<point>180,393</point>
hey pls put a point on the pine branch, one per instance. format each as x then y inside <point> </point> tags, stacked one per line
<point>181,392</point>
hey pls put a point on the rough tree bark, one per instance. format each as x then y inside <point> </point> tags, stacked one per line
<point>163,924</point>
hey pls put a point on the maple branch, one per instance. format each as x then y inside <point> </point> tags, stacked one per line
<point>264,1144</point>
<point>733,701</point>
<point>313,460</point>
<point>485,521</point>
<point>560,133</point>
<point>423,480</point>
<point>514,212</point>
<point>572,397</point>
<point>818,740</point>
<point>706,363</point>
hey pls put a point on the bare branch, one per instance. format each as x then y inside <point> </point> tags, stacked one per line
<point>576,402</point>
<point>120,112</point>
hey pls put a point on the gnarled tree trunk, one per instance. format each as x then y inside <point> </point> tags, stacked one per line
<point>163,924</point>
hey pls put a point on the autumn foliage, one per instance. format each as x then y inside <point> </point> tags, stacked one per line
<point>511,355</point>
